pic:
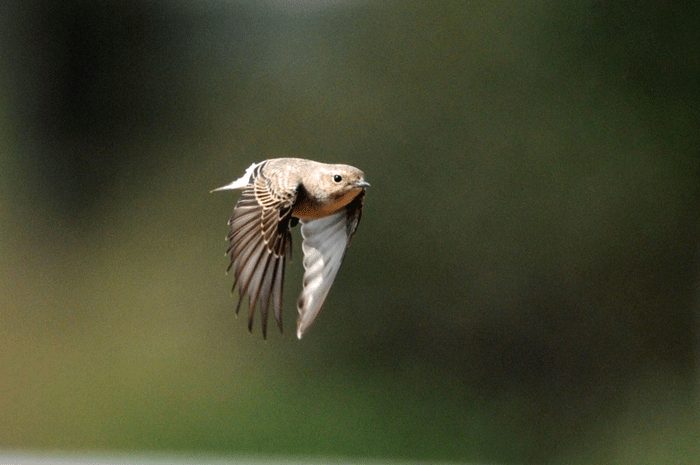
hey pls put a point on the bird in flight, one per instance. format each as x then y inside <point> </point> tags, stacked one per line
<point>277,194</point>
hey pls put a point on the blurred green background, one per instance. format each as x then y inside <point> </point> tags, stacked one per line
<point>523,286</point>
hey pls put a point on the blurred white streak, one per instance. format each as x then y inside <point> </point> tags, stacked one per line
<point>181,459</point>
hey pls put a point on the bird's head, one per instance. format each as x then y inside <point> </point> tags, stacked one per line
<point>342,180</point>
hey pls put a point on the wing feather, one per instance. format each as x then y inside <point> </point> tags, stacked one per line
<point>325,242</point>
<point>260,242</point>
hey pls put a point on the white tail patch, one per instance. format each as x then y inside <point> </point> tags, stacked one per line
<point>241,182</point>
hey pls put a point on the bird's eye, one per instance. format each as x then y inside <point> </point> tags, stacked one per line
<point>337,178</point>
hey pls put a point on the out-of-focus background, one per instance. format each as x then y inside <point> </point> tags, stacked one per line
<point>524,283</point>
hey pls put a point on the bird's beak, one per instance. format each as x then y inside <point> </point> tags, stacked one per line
<point>362,184</point>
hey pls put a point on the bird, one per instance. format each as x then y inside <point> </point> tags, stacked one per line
<point>277,194</point>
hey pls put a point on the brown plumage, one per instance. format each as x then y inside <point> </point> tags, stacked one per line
<point>278,193</point>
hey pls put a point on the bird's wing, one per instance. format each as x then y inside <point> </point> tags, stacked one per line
<point>325,242</point>
<point>260,244</point>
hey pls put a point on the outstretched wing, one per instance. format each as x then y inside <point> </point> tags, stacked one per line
<point>325,242</point>
<point>260,244</point>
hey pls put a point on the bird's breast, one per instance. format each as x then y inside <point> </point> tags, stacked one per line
<point>307,208</point>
